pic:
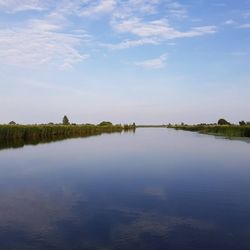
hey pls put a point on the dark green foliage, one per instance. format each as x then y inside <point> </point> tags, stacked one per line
<point>242,123</point>
<point>47,131</point>
<point>105,123</point>
<point>223,122</point>
<point>228,131</point>
<point>12,123</point>
<point>65,120</point>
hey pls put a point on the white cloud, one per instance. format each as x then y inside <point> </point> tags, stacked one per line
<point>245,26</point>
<point>246,14</point>
<point>40,42</point>
<point>23,5</point>
<point>98,7</point>
<point>126,44</point>
<point>239,53</point>
<point>130,8</point>
<point>78,7</point>
<point>43,25</point>
<point>155,63</point>
<point>45,40</point>
<point>139,8</point>
<point>176,9</point>
<point>131,43</point>
<point>131,18</point>
<point>158,28</point>
<point>230,22</point>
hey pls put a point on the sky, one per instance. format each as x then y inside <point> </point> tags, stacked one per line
<point>143,61</point>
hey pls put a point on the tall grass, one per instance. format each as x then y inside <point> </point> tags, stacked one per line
<point>19,135</point>
<point>225,130</point>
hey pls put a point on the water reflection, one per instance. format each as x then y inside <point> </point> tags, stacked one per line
<point>19,143</point>
<point>157,189</point>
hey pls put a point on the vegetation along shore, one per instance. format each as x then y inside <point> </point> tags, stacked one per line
<point>15,135</point>
<point>221,128</point>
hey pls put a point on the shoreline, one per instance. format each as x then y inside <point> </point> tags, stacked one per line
<point>227,131</point>
<point>15,136</point>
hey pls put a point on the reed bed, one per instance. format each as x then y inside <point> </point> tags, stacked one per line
<point>8,132</point>
<point>223,130</point>
<point>20,135</point>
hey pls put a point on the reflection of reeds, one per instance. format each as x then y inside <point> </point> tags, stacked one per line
<point>225,130</point>
<point>19,135</point>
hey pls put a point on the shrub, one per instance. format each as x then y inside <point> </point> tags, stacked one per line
<point>65,120</point>
<point>242,123</point>
<point>223,122</point>
<point>105,123</point>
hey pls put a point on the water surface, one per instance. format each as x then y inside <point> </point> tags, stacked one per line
<point>155,189</point>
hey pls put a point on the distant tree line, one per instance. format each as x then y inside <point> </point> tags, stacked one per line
<point>243,123</point>
<point>66,122</point>
<point>225,122</point>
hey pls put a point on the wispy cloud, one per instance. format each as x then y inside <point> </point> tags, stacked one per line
<point>98,7</point>
<point>245,26</point>
<point>24,5</point>
<point>126,44</point>
<point>155,63</point>
<point>239,53</point>
<point>176,9</point>
<point>45,40</point>
<point>41,42</point>
<point>154,33</point>
<point>246,14</point>
<point>159,28</point>
<point>230,22</point>
<point>129,8</point>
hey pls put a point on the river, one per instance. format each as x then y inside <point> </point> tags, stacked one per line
<point>155,189</point>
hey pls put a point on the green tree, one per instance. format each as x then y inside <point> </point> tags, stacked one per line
<point>242,123</point>
<point>65,120</point>
<point>105,123</point>
<point>223,122</point>
<point>12,123</point>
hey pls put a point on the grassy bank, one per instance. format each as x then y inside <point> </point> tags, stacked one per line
<point>19,135</point>
<point>223,130</point>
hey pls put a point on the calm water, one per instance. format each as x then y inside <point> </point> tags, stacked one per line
<point>155,189</point>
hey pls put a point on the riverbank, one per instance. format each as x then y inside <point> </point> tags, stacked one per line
<point>20,135</point>
<point>229,131</point>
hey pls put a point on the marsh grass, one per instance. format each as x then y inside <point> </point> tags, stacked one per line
<point>223,130</point>
<point>20,135</point>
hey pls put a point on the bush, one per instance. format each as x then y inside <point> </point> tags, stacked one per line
<point>105,123</point>
<point>65,120</point>
<point>242,123</point>
<point>223,122</point>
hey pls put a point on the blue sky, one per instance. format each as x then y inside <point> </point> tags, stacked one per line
<point>143,61</point>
